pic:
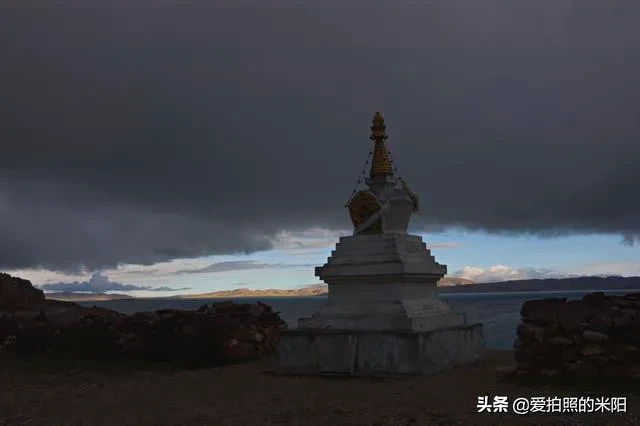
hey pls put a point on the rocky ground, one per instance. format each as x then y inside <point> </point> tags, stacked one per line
<point>37,392</point>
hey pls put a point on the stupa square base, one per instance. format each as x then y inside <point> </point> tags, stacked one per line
<point>379,353</point>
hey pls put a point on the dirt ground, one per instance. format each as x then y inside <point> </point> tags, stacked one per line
<point>33,392</point>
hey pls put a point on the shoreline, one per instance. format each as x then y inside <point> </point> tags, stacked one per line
<point>324,295</point>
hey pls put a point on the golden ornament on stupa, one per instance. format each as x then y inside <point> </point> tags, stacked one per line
<point>381,163</point>
<point>364,205</point>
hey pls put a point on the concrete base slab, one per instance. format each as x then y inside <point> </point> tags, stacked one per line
<point>379,353</point>
<point>371,321</point>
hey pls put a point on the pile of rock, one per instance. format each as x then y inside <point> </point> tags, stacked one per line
<point>596,336</point>
<point>17,293</point>
<point>226,331</point>
<point>215,334</point>
<point>252,330</point>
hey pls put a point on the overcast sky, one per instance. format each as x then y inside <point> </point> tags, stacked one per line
<point>154,132</point>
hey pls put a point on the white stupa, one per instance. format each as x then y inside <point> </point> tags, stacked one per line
<point>383,315</point>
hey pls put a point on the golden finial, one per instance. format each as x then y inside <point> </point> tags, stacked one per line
<point>378,130</point>
<point>381,163</point>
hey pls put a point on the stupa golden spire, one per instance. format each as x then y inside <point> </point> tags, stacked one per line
<point>381,163</point>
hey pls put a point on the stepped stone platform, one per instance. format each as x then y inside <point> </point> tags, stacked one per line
<point>382,317</point>
<point>382,282</point>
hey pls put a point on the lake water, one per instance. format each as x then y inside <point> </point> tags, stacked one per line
<point>499,312</point>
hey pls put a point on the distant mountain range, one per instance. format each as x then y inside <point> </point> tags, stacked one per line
<point>69,296</point>
<point>453,281</point>
<point>551,284</point>
<point>446,285</point>
<point>312,290</point>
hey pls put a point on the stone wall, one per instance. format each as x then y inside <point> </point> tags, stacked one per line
<point>216,334</point>
<point>19,294</point>
<point>596,336</point>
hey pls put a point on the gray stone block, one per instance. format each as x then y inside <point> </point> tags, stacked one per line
<point>335,353</point>
<point>296,351</point>
<point>379,353</point>
<point>386,353</point>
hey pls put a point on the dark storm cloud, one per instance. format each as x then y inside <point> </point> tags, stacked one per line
<point>141,131</point>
